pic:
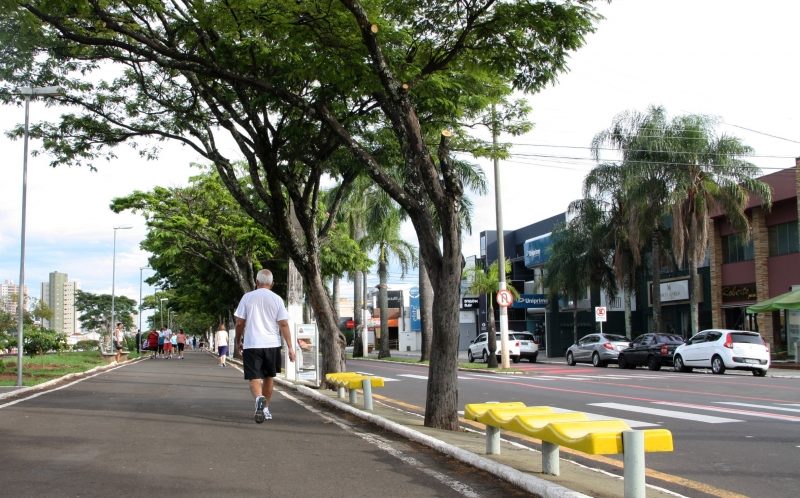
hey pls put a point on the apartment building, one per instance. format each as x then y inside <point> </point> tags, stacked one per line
<point>59,295</point>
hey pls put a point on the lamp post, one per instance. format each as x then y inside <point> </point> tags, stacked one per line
<point>140,305</point>
<point>161,306</point>
<point>113,282</point>
<point>501,256</point>
<point>28,93</point>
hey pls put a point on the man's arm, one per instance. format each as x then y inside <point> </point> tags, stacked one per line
<point>237,344</point>
<point>283,325</point>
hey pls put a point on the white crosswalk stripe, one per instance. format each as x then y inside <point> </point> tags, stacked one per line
<point>763,407</point>
<point>733,411</point>
<point>412,376</point>
<point>696,417</point>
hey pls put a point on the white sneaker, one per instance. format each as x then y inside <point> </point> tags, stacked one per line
<point>261,410</point>
<point>267,414</point>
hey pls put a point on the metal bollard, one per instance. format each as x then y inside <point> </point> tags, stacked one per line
<point>550,459</point>
<point>341,392</point>
<point>633,463</point>
<point>492,440</point>
<point>366,385</point>
<point>353,396</point>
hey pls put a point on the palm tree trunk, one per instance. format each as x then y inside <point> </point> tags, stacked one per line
<point>383,302</point>
<point>491,340</point>
<point>358,316</point>
<point>626,297</point>
<point>656,285</point>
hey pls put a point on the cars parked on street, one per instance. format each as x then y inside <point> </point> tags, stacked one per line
<point>599,349</point>
<point>722,349</point>
<point>528,346</point>
<point>653,350</point>
<point>479,347</point>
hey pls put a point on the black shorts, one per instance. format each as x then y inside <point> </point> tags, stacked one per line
<point>118,346</point>
<point>261,362</point>
<point>180,346</point>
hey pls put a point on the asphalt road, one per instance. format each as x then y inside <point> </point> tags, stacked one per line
<point>734,434</point>
<point>185,428</point>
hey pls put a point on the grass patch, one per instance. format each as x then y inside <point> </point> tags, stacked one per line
<point>47,367</point>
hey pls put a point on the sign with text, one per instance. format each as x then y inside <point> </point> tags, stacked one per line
<point>537,250</point>
<point>531,301</point>
<point>600,314</point>
<point>414,309</point>
<point>470,303</point>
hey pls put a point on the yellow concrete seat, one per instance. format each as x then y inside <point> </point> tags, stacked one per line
<point>352,380</point>
<point>473,411</point>
<point>503,417</point>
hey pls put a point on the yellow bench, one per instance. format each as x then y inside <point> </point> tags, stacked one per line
<point>572,430</point>
<point>351,381</point>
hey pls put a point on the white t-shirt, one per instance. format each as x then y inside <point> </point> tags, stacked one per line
<point>261,309</point>
<point>221,338</point>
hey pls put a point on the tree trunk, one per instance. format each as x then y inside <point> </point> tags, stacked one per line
<point>655,290</point>
<point>491,339</point>
<point>441,404</point>
<point>383,302</point>
<point>425,309</point>
<point>330,338</point>
<point>626,297</point>
<point>335,297</point>
<point>358,316</point>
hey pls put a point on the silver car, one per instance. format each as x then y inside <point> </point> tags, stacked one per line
<point>599,349</point>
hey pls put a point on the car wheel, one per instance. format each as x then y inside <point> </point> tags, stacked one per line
<point>596,361</point>
<point>717,365</point>
<point>759,373</point>
<point>534,357</point>
<point>515,359</point>
<point>679,366</point>
<point>654,363</point>
<point>485,356</point>
<point>622,362</point>
<point>470,358</point>
<point>570,359</point>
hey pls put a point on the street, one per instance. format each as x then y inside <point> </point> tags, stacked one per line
<point>185,428</point>
<point>734,434</point>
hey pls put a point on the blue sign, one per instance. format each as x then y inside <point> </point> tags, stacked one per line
<point>537,250</point>
<point>413,308</point>
<point>531,301</point>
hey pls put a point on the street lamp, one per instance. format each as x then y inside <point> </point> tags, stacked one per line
<point>161,305</point>
<point>28,93</point>
<point>140,305</point>
<point>113,282</point>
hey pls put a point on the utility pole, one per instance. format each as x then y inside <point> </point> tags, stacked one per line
<point>501,254</point>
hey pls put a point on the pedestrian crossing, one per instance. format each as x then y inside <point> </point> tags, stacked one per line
<point>656,413</point>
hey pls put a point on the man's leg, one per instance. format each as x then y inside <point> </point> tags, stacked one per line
<point>266,389</point>
<point>255,387</point>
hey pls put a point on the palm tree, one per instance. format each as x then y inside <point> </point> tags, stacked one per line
<point>384,236</point>
<point>487,282</point>
<point>709,174</point>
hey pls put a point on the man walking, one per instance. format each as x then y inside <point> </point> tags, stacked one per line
<point>262,318</point>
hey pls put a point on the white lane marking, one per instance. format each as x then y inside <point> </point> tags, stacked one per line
<point>454,484</point>
<point>597,416</point>
<point>385,379</point>
<point>765,407</point>
<point>412,376</point>
<point>666,413</point>
<point>733,411</point>
<point>790,404</point>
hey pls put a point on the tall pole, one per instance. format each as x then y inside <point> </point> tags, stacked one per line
<point>140,306</point>
<point>501,254</point>
<point>46,91</point>
<point>113,282</point>
<point>21,288</point>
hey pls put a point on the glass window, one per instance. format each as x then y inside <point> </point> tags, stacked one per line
<point>783,239</point>
<point>701,337</point>
<point>746,338</point>
<point>614,337</point>
<point>735,248</point>
<point>714,336</point>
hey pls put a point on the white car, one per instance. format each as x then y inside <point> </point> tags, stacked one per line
<point>479,348</point>
<point>528,347</point>
<point>722,349</point>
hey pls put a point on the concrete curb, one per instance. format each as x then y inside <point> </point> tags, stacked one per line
<point>525,481</point>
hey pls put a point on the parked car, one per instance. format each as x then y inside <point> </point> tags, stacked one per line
<point>528,345</point>
<point>599,349</point>
<point>653,350</point>
<point>721,349</point>
<point>479,348</point>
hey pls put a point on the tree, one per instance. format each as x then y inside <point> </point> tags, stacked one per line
<point>95,312</point>
<point>292,83</point>
<point>487,282</point>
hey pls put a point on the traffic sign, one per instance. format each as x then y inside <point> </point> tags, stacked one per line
<point>600,313</point>
<point>504,298</point>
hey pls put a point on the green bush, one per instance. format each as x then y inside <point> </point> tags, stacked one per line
<point>87,345</point>
<point>40,341</point>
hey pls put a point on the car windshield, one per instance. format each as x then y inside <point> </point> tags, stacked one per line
<point>615,338</point>
<point>746,338</point>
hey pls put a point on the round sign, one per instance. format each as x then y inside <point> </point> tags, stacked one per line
<point>504,298</point>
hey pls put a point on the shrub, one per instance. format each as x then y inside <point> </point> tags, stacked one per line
<point>40,341</point>
<point>87,345</point>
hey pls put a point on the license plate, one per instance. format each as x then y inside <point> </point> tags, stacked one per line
<point>525,343</point>
<point>754,362</point>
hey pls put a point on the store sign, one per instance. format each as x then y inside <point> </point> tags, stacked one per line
<point>414,309</point>
<point>537,250</point>
<point>531,301</point>
<point>737,293</point>
<point>677,290</point>
<point>470,303</point>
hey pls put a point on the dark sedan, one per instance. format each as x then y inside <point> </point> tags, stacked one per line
<point>653,350</point>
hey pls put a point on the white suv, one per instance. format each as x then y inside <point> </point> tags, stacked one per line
<point>721,349</point>
<point>479,347</point>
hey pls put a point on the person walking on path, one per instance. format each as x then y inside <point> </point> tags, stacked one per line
<point>173,338</point>
<point>181,341</point>
<point>221,340</point>
<point>261,321</point>
<point>118,340</point>
<point>152,342</point>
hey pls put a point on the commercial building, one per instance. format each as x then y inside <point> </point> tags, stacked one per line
<point>59,295</point>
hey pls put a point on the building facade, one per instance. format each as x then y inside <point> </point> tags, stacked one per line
<point>8,297</point>
<point>59,295</point>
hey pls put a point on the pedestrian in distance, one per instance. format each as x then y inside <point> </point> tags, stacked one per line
<point>161,338</point>
<point>152,343</point>
<point>221,340</point>
<point>119,337</point>
<point>261,322</point>
<point>181,342</point>
<point>173,339</point>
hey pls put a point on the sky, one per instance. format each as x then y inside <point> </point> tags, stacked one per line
<point>736,60</point>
